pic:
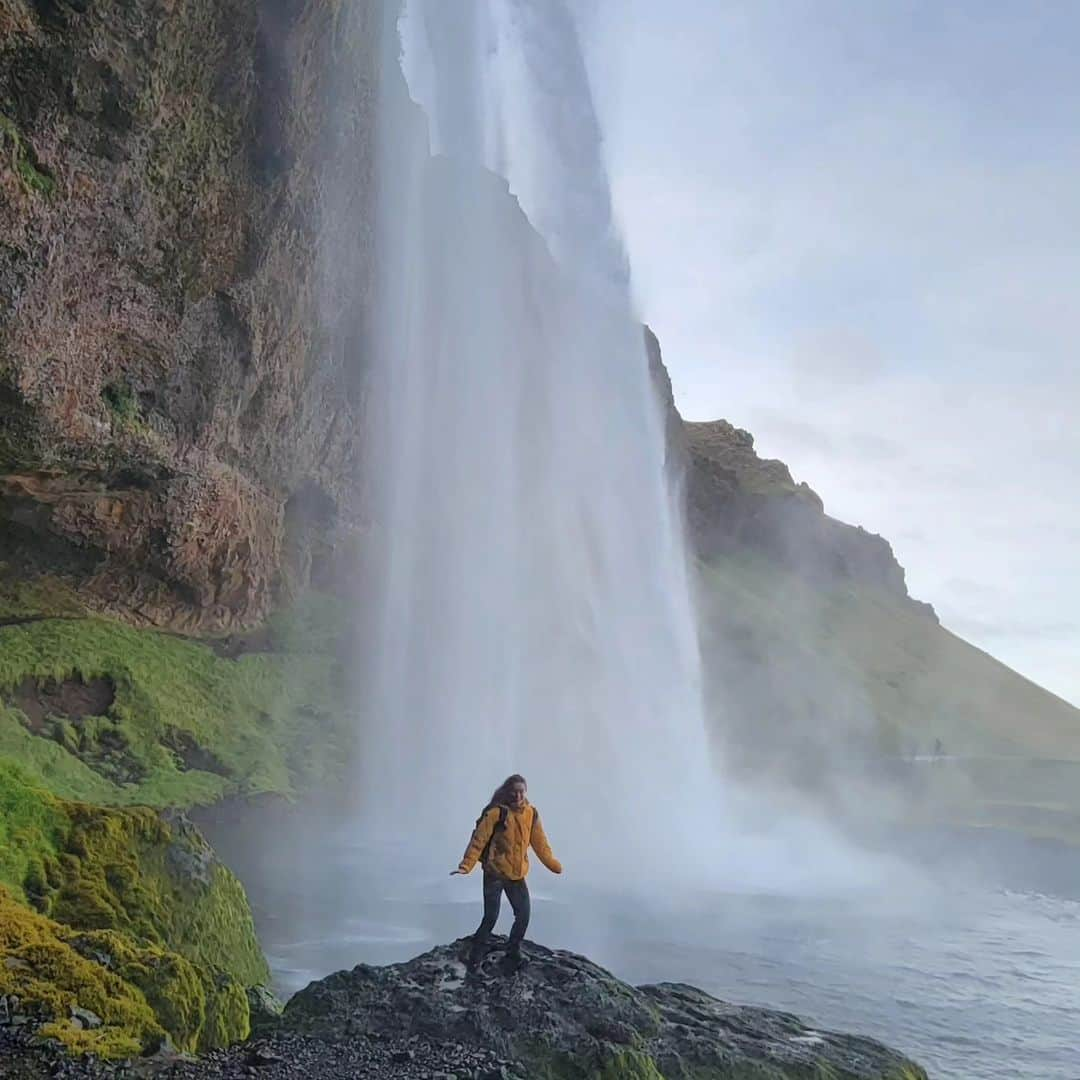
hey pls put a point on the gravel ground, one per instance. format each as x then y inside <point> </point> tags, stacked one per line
<point>277,1057</point>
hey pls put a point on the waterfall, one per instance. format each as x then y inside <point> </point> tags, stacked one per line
<point>527,602</point>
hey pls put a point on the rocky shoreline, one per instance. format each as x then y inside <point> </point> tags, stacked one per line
<point>557,1016</point>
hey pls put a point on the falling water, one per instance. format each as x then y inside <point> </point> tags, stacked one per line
<point>528,599</point>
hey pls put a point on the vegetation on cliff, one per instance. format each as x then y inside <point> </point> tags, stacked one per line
<point>49,976</point>
<point>172,723</point>
<point>822,682</point>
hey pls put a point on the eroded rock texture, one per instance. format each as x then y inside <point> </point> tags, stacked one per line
<point>179,418</point>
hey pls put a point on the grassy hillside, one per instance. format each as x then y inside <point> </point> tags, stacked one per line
<point>818,682</point>
<point>110,900</point>
<point>99,711</point>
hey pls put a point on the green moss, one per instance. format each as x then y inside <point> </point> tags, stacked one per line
<point>145,897</point>
<point>42,597</point>
<point>54,766</point>
<point>228,1013</point>
<point>131,910</point>
<point>122,402</point>
<point>140,992</point>
<point>201,1007</point>
<point>265,723</point>
<point>34,179</point>
<point>133,871</point>
<point>32,827</point>
<point>170,984</point>
<point>608,1063</point>
<point>629,1065</point>
<point>49,975</point>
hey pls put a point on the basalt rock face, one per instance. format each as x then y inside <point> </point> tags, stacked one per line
<point>736,499</point>
<point>179,419</point>
<point>560,1015</point>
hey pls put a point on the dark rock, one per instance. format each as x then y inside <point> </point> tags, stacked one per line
<point>564,1012</point>
<point>86,1019</point>
<point>262,1056</point>
<point>265,1009</point>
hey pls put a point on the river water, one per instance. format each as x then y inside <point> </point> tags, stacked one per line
<point>975,973</point>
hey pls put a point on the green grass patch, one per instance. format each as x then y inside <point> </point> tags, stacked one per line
<point>33,177</point>
<point>32,828</point>
<point>42,597</point>
<point>810,677</point>
<point>193,726</point>
<point>122,402</point>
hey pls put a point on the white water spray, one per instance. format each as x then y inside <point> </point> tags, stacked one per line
<point>530,607</point>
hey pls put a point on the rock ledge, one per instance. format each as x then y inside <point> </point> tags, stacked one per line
<point>560,1015</point>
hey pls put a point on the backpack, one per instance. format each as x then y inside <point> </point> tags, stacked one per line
<point>500,826</point>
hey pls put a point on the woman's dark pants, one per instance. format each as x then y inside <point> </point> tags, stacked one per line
<point>517,892</point>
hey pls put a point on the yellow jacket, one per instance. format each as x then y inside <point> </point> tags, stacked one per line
<point>508,855</point>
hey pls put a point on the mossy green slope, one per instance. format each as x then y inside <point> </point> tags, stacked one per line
<point>112,901</point>
<point>47,973</point>
<point>811,678</point>
<point>267,722</point>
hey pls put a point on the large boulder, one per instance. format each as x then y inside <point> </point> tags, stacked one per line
<point>560,1015</point>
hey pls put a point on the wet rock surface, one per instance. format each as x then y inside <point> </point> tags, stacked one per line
<point>559,1014</point>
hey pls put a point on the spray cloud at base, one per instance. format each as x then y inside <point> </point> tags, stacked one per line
<point>527,590</point>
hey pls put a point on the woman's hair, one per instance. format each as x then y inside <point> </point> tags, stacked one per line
<point>502,792</point>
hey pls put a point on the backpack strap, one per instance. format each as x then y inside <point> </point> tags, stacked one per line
<point>504,810</point>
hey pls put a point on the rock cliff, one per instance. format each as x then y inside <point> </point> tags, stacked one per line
<point>737,501</point>
<point>180,423</point>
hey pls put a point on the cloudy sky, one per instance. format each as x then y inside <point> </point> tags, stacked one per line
<point>856,229</point>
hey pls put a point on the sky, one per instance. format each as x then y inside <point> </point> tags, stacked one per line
<point>855,228</point>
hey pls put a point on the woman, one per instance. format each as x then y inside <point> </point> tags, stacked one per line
<point>504,832</point>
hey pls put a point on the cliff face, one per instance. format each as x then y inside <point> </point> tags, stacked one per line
<point>737,501</point>
<point>180,410</point>
<point>179,435</point>
<point>180,424</point>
